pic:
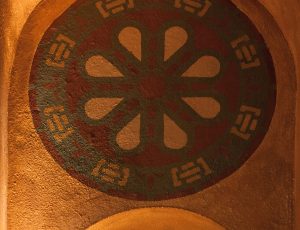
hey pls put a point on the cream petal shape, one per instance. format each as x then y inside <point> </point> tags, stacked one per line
<point>175,38</point>
<point>98,66</point>
<point>206,66</point>
<point>129,137</point>
<point>131,39</point>
<point>97,108</point>
<point>206,107</point>
<point>174,136</point>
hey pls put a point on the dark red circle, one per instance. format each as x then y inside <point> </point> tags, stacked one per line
<point>151,87</point>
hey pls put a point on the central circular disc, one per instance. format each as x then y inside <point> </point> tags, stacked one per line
<point>152,100</point>
<point>152,87</point>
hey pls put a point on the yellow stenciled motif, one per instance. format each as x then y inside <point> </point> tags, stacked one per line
<point>111,173</point>
<point>199,7</point>
<point>109,7</point>
<point>58,123</point>
<point>246,122</point>
<point>60,51</point>
<point>190,172</point>
<point>246,52</point>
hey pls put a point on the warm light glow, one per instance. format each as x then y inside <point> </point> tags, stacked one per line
<point>156,219</point>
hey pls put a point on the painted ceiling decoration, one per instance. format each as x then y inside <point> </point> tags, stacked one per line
<point>152,100</point>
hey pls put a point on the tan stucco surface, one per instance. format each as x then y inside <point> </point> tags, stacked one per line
<point>43,196</point>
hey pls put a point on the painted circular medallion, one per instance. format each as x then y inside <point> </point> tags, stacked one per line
<point>152,100</point>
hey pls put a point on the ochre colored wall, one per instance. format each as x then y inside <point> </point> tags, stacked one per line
<point>33,173</point>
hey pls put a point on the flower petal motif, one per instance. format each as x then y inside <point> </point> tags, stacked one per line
<point>98,108</point>
<point>206,66</point>
<point>131,39</point>
<point>174,136</point>
<point>128,138</point>
<point>175,38</point>
<point>98,66</point>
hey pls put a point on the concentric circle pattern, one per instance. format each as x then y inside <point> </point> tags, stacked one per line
<point>152,100</point>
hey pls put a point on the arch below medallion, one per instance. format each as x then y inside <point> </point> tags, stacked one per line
<point>156,219</point>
